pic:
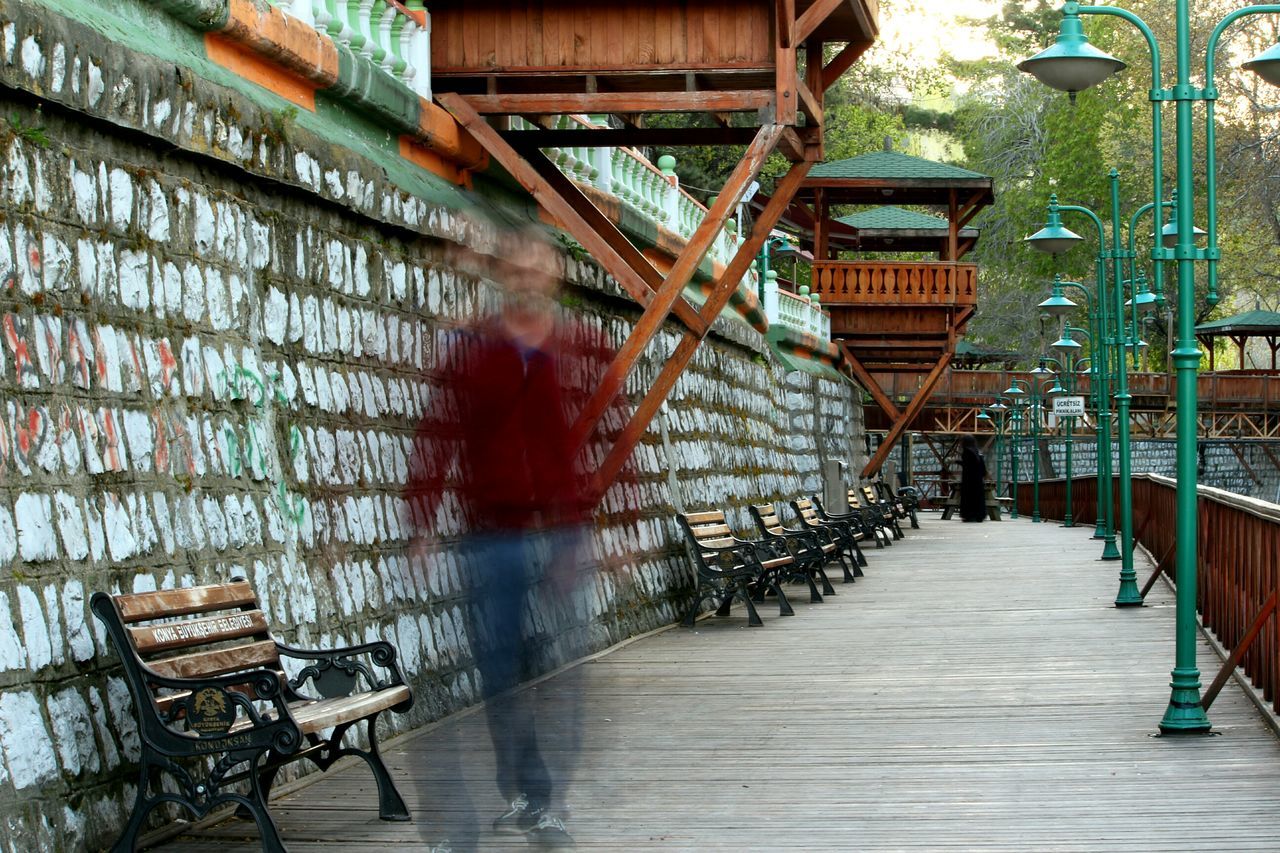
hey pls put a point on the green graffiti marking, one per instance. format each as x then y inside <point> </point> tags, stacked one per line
<point>250,454</point>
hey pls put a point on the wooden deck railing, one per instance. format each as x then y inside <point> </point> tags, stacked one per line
<point>1215,390</point>
<point>894,283</point>
<point>1238,554</point>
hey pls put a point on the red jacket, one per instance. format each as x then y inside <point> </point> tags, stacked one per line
<point>498,432</point>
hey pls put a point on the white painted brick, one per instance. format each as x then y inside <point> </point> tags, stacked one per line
<point>35,631</point>
<point>122,543</point>
<point>121,194</point>
<point>8,536</point>
<point>110,756</point>
<point>121,708</point>
<point>73,609</point>
<point>71,527</point>
<point>34,516</point>
<point>73,731</point>
<point>28,750</point>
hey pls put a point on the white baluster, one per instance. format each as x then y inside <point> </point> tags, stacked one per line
<point>418,55</point>
<point>387,43</point>
<point>302,10</point>
<point>771,295</point>
<point>354,37</point>
<point>368,45</point>
<point>322,16</point>
<point>618,165</point>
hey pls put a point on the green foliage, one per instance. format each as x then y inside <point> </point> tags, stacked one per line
<point>34,134</point>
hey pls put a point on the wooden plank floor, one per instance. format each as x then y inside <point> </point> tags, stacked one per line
<point>975,691</point>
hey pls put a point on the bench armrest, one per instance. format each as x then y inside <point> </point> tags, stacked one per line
<point>335,673</point>
<point>211,706</point>
<point>747,560</point>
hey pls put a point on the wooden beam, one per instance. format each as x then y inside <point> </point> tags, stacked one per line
<point>791,145</point>
<point>970,208</point>
<point>867,381</point>
<point>604,228</point>
<point>656,313</point>
<point>748,100</point>
<point>809,104</point>
<point>1237,653</point>
<point>716,301</point>
<point>953,230</point>
<point>813,18</point>
<point>563,200</point>
<point>842,62</point>
<point>820,223</point>
<point>901,424</point>
<point>786,97</point>
<point>786,18</point>
<point>633,137</point>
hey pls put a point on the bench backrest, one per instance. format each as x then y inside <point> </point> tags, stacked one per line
<point>807,511</point>
<point>854,500</point>
<point>198,632</point>
<point>870,494</point>
<point>709,529</point>
<point>766,516</point>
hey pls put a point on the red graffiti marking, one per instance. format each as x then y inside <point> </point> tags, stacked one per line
<point>14,335</point>
<point>168,364</point>
<point>77,354</point>
<point>162,442</point>
<point>111,436</point>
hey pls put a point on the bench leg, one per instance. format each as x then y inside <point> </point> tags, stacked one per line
<point>256,806</point>
<point>141,808</point>
<point>915,522</point>
<point>827,588</point>
<point>860,559</point>
<point>784,606</point>
<point>390,804</point>
<point>849,576</point>
<point>753,618</point>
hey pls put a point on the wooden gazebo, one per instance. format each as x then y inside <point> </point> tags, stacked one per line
<point>1239,329</point>
<point>894,316</point>
<point>738,63</point>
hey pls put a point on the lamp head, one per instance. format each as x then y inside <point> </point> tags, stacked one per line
<point>1057,304</point>
<point>1071,64</point>
<point>1266,64</point>
<point>1169,233</point>
<point>1053,238</point>
<point>1066,345</point>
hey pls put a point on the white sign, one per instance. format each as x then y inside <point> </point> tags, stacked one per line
<point>1068,407</point>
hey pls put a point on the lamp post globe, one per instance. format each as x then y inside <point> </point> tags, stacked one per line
<point>1071,64</point>
<point>1266,64</point>
<point>1053,238</point>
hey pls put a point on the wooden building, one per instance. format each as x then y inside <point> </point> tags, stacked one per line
<point>736,61</point>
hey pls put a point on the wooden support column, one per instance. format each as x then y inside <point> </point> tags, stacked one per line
<point>681,271</point>
<point>819,225</point>
<point>716,301</point>
<point>953,227</point>
<point>842,62</point>
<point>813,17</point>
<point>902,423</point>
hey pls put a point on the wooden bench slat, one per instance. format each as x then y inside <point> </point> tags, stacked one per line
<point>317,715</point>
<point>712,531</point>
<point>198,632</point>
<point>704,516</point>
<point>722,542</point>
<point>219,661</point>
<point>138,606</point>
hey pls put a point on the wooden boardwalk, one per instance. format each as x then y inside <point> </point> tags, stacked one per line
<point>975,691</point>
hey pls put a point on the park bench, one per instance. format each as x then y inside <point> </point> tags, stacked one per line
<point>873,517</point>
<point>906,500</point>
<point>810,549</point>
<point>866,521</point>
<point>890,514</point>
<point>216,709</point>
<point>843,532</point>
<point>729,567</point>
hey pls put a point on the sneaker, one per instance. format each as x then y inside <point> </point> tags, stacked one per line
<point>549,831</point>
<point>516,818</point>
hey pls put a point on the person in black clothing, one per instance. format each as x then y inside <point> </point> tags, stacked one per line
<point>973,475</point>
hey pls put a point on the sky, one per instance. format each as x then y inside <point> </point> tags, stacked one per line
<point>926,28</point>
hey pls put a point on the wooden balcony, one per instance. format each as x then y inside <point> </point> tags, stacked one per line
<point>895,283</point>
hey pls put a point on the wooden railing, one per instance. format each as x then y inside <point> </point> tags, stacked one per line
<point>1238,559</point>
<point>893,283</point>
<point>395,35</point>
<point>1216,390</point>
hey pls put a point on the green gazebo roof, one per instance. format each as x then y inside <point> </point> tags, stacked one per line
<point>891,165</point>
<point>1256,322</point>
<point>890,218</point>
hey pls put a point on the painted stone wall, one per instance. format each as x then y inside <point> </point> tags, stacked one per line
<point>219,332</point>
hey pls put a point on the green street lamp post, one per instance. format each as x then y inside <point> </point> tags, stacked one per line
<point>1077,68</point>
<point>1054,239</point>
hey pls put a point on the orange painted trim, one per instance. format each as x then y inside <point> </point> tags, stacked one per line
<point>254,68</point>
<point>418,154</point>
<point>441,131</point>
<point>283,39</point>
